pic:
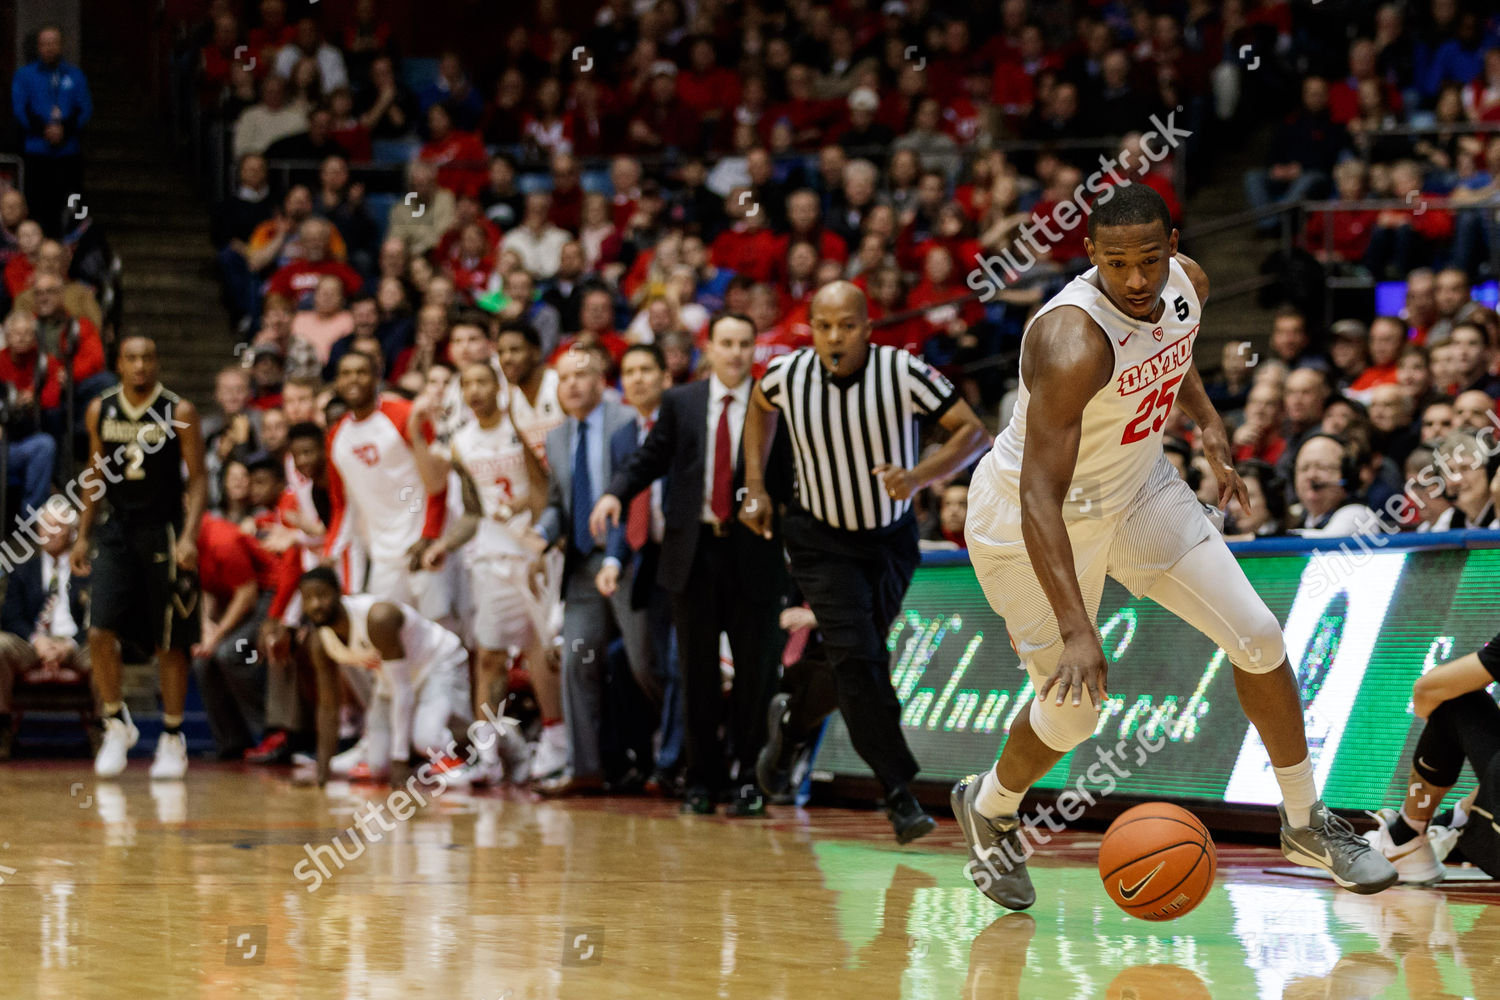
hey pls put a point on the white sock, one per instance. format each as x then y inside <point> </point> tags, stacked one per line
<point>995,799</point>
<point>1299,791</point>
<point>1460,814</point>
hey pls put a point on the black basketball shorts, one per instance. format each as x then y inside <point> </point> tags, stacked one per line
<point>137,590</point>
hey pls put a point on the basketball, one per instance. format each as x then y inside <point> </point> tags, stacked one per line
<point>1157,861</point>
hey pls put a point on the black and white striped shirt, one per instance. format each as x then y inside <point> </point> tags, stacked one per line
<point>843,427</point>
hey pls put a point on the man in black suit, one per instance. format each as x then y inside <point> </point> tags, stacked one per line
<point>633,554</point>
<point>44,612</point>
<point>722,577</point>
<point>578,455</point>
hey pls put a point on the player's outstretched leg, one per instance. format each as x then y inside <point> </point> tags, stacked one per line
<point>997,854</point>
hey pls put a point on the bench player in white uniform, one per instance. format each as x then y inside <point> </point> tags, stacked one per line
<point>421,698</point>
<point>1077,488</point>
<point>503,486</point>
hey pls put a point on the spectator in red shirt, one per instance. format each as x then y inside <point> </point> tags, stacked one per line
<point>460,157</point>
<point>662,121</point>
<point>60,333</point>
<point>775,335</point>
<point>473,262</point>
<point>274,32</point>
<point>1067,251</point>
<point>887,299</point>
<point>1343,96</point>
<point>298,280</point>
<point>233,681</point>
<point>596,317</point>
<point>804,113</point>
<point>31,380</point>
<point>1387,338</point>
<point>939,293</point>
<point>22,266</point>
<point>1348,230</point>
<point>747,247</point>
<point>1406,237</point>
<point>217,57</point>
<point>705,88</point>
<point>567,192</point>
<point>1260,434</point>
<point>804,222</point>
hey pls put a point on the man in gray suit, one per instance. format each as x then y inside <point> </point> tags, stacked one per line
<point>578,455</point>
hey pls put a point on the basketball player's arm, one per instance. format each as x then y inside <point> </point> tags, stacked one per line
<point>461,529</point>
<point>79,558</point>
<point>432,467</point>
<point>1193,398</point>
<point>330,687</point>
<point>197,483</point>
<point>1072,363</point>
<point>760,429</point>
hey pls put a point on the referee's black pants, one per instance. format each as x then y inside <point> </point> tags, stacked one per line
<point>854,581</point>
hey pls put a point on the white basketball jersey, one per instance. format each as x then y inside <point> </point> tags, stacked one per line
<point>1122,424</point>
<point>536,422</point>
<point>496,460</point>
<point>426,643</point>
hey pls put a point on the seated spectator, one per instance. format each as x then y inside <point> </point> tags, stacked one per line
<point>1348,349</point>
<point>1372,133</point>
<point>565,291</point>
<point>951,312</point>
<point>1477,234</point>
<point>44,615</point>
<point>1426,494</point>
<point>953,510</point>
<point>343,204</point>
<point>345,127</point>
<point>1392,432</point>
<point>1387,337</point>
<point>1290,343</point>
<point>536,239</point>
<point>804,222</point>
<point>472,262</point>
<point>313,145</point>
<point>1266,515</point>
<point>1474,408</point>
<point>1304,395</point>
<point>12,213</point>
<point>467,211</point>
<point>385,108</point>
<point>273,118</point>
<point>500,198</point>
<point>748,247</point>
<point>298,356</point>
<point>1342,235</point>
<point>596,327</point>
<point>1325,473</point>
<point>460,157</point>
<point>1229,389</point>
<point>1414,375</point>
<point>933,146</point>
<point>1437,421</point>
<point>298,279</point>
<point>504,118</point>
<point>1465,460</point>
<point>521,304</point>
<point>1259,436</point>
<point>421,218</point>
<point>237,578</point>
<point>1472,360</point>
<point>1303,151</point>
<point>230,495</point>
<point>64,336</point>
<point>267,373</point>
<point>22,265</point>
<point>1406,237</point>
<point>327,321</point>
<point>308,43</point>
<point>662,123</point>
<point>451,88</point>
<point>1451,294</point>
<point>33,407</point>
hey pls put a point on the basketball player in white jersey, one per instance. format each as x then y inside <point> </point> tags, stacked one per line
<point>421,699</point>
<point>504,487</point>
<point>1077,488</point>
<point>534,408</point>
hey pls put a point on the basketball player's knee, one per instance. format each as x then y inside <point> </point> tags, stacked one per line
<point>1063,727</point>
<point>1259,647</point>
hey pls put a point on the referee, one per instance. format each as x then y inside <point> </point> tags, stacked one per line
<point>854,415</point>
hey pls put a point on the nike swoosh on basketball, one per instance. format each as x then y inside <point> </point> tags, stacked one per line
<point>1135,890</point>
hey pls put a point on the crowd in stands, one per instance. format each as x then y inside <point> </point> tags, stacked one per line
<point>608,188</point>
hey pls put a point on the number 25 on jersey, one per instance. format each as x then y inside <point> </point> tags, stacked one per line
<point>1158,402</point>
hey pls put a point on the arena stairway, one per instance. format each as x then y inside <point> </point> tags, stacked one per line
<point>155,219</point>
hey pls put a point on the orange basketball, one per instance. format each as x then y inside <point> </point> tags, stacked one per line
<point>1157,861</point>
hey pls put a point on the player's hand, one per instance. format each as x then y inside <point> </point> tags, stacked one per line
<point>896,481</point>
<point>414,554</point>
<point>756,511</point>
<point>433,558</point>
<point>1082,667</point>
<point>794,618</point>
<point>78,559</point>
<point>187,553</point>
<point>605,515</point>
<point>275,641</point>
<point>607,580</point>
<point>1221,462</point>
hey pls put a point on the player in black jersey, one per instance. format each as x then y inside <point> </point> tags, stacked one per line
<point>142,439</point>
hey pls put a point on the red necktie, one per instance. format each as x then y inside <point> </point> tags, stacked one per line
<point>723,466</point>
<point>638,522</point>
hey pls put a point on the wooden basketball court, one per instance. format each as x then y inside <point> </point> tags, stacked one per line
<point>202,890</point>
